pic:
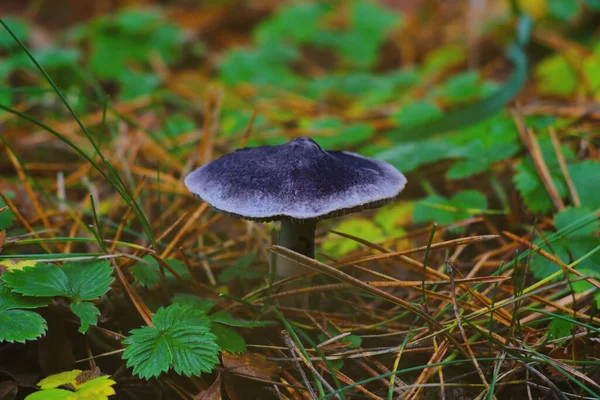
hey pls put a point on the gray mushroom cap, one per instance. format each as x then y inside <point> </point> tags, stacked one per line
<point>296,180</point>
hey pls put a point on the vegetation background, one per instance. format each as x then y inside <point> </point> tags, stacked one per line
<point>114,280</point>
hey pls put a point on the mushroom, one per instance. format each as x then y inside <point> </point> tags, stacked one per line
<point>297,183</point>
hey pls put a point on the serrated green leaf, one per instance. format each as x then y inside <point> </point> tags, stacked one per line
<point>566,217</point>
<point>530,185</point>
<point>87,313</point>
<point>11,300</point>
<point>226,319</point>
<point>585,177</point>
<point>180,340</point>
<point>571,245</point>
<point>42,280</point>
<point>559,328</point>
<point>7,218</point>
<point>228,338</point>
<point>198,303</point>
<point>241,269</point>
<point>88,279</point>
<point>146,272</point>
<point>19,326</point>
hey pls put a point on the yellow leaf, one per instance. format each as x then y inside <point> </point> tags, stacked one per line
<point>96,389</point>
<point>338,246</point>
<point>393,216</point>
<point>56,380</point>
<point>15,263</point>
<point>536,8</point>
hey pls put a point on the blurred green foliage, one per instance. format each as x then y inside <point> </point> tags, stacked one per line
<point>330,54</point>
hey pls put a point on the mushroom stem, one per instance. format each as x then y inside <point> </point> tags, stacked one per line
<point>299,236</point>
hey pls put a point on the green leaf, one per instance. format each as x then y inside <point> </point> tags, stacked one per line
<point>177,124</point>
<point>87,313</point>
<point>475,112</point>
<point>407,155</point>
<point>7,218</point>
<point>585,177</point>
<point>10,300</point>
<point>570,246</point>
<point>146,272</point>
<point>443,58</point>
<point>559,328</point>
<point>224,318</point>
<point>267,65</point>
<point>198,303</point>
<point>593,4</point>
<point>296,22</point>
<point>480,161</point>
<point>446,211</point>
<point>228,338</point>
<point>56,57</point>
<point>77,280</point>
<point>359,45</point>
<point>241,269</point>
<point>570,214</point>
<point>19,28</point>
<point>417,113</point>
<point>549,69</point>
<point>530,185</point>
<point>131,37</point>
<point>137,84</point>
<point>346,136</point>
<point>88,279</point>
<point>564,10</point>
<point>466,168</point>
<point>462,88</point>
<point>43,280</point>
<point>180,340</point>
<point>19,326</point>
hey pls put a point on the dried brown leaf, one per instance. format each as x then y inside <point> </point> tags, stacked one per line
<point>212,393</point>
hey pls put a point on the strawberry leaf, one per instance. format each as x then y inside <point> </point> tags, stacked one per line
<point>180,340</point>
